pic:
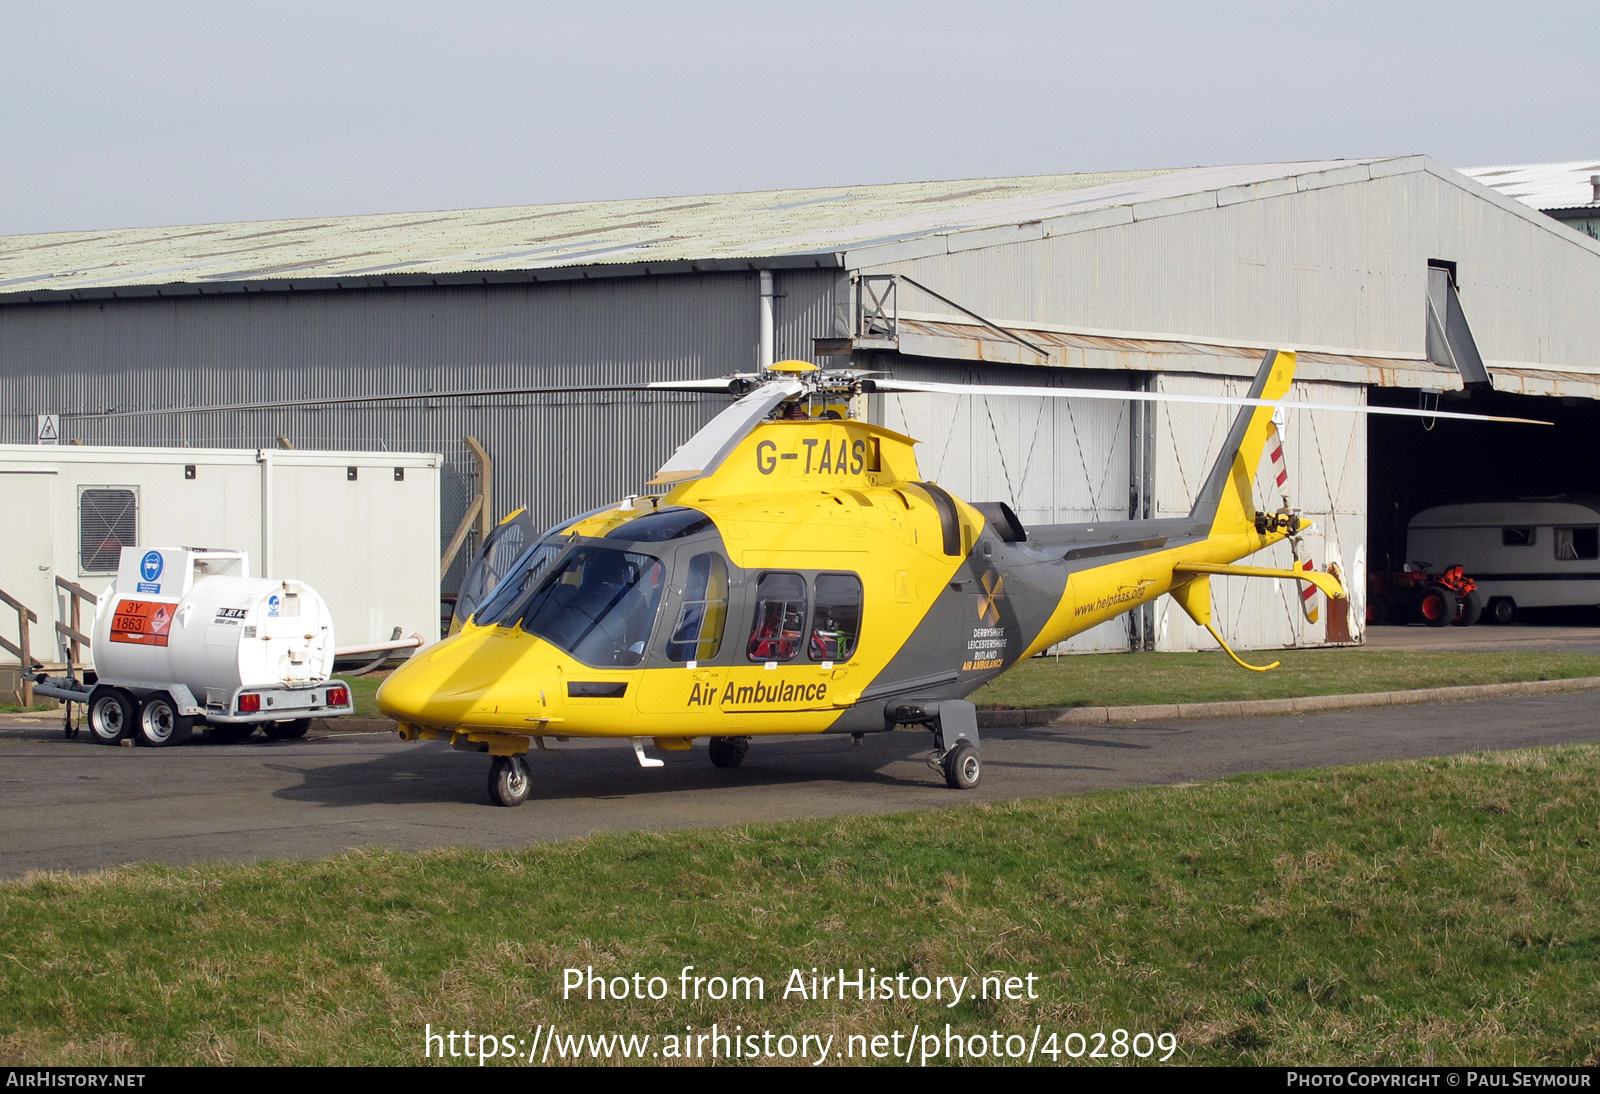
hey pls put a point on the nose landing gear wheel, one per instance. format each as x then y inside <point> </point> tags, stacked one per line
<point>962,767</point>
<point>509,780</point>
<point>160,724</point>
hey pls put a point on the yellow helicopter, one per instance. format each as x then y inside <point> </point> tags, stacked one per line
<point>798,576</point>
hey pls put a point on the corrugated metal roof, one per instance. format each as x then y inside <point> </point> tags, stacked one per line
<point>714,229</point>
<point>1542,185</point>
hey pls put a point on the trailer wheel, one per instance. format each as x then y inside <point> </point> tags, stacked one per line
<point>1469,610</point>
<point>1502,609</point>
<point>110,715</point>
<point>160,724</point>
<point>509,780</point>
<point>286,731</point>
<point>1437,607</point>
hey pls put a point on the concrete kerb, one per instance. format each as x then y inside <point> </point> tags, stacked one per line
<point>1085,716</point>
<point>1081,716</point>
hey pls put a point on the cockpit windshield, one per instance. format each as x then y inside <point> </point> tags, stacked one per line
<point>596,603</point>
<point>521,577</point>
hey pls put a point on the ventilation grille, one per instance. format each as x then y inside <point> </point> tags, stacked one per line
<point>108,521</point>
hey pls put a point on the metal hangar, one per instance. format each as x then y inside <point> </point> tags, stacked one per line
<point>1397,279</point>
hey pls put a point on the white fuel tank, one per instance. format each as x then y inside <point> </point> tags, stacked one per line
<point>188,617</point>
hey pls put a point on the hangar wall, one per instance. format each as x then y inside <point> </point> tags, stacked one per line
<point>557,454</point>
<point>1054,461</point>
<point>1343,268</point>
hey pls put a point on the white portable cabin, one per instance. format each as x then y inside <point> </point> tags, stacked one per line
<point>1534,553</point>
<point>360,527</point>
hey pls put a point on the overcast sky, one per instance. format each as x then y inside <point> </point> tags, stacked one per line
<point>143,113</point>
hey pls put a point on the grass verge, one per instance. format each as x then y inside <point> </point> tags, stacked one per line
<point>1119,679</point>
<point>1423,912</point>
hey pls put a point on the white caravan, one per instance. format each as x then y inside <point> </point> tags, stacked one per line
<point>1531,553</point>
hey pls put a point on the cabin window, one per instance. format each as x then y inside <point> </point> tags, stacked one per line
<point>780,618</point>
<point>597,605</point>
<point>836,624</point>
<point>1577,543</point>
<point>1516,537</point>
<point>108,521</point>
<point>698,635</point>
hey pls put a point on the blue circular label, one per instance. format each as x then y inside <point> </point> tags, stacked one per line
<point>150,566</point>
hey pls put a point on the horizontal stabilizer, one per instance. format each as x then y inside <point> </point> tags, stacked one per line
<point>1326,582</point>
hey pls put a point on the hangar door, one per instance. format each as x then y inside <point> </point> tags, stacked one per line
<point>1054,461</point>
<point>1325,460</point>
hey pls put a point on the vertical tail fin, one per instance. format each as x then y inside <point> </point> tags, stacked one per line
<point>1226,502</point>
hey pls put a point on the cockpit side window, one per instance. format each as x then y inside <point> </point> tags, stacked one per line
<point>780,618</point>
<point>599,605</point>
<point>698,635</point>
<point>836,624</point>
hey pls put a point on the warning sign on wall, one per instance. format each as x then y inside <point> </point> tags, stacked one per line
<point>49,428</point>
<point>141,622</point>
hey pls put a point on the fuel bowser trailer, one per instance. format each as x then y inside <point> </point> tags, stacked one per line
<point>187,637</point>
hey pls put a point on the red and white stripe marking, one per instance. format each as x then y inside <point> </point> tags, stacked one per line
<point>1280,470</point>
<point>1308,593</point>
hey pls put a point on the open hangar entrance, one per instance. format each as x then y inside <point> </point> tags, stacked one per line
<point>1414,464</point>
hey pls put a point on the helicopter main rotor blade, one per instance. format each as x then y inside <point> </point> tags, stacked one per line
<point>720,386</point>
<point>703,453</point>
<point>909,386</point>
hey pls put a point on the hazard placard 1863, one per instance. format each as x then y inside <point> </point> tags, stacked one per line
<point>142,622</point>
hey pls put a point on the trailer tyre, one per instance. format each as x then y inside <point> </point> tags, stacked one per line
<point>160,724</point>
<point>110,715</point>
<point>287,731</point>
<point>1469,610</point>
<point>1502,609</point>
<point>1437,607</point>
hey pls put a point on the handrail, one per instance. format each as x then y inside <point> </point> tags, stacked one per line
<point>24,652</point>
<point>74,630</point>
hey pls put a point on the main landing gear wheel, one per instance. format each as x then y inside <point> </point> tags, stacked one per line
<point>509,780</point>
<point>962,767</point>
<point>110,715</point>
<point>287,731</point>
<point>160,724</point>
<point>728,751</point>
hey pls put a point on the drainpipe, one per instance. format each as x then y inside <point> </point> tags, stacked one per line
<point>764,353</point>
<point>264,458</point>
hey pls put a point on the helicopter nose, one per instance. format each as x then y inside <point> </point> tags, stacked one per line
<point>465,674</point>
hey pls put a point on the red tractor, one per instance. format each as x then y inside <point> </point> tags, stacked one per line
<point>1415,595</point>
